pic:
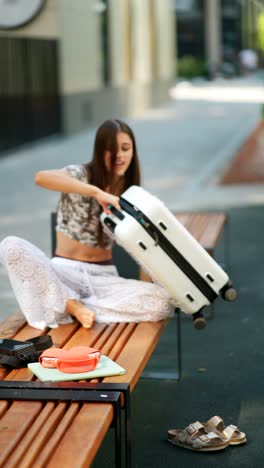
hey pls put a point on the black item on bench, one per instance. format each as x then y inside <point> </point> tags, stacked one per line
<point>17,354</point>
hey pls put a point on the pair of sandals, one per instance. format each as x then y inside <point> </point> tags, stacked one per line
<point>205,437</point>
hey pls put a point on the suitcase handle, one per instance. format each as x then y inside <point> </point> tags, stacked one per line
<point>131,209</point>
<point>116,212</point>
<point>138,215</point>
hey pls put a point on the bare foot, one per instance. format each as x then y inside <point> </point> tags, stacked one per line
<point>78,310</point>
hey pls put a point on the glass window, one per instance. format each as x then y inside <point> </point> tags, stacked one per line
<point>190,6</point>
<point>191,30</point>
<point>231,29</point>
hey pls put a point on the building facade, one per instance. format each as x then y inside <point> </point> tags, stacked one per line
<point>67,65</point>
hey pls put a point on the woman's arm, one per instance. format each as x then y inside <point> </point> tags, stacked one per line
<point>60,181</point>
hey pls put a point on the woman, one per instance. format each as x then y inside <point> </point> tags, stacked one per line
<point>81,280</point>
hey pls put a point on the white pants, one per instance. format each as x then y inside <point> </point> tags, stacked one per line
<point>42,288</point>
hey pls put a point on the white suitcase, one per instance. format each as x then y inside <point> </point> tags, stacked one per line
<point>148,231</point>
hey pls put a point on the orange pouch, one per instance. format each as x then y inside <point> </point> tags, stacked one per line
<point>74,360</point>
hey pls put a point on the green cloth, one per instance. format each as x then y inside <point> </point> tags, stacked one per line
<point>105,367</point>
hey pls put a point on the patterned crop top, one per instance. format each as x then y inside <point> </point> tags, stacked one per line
<point>73,218</point>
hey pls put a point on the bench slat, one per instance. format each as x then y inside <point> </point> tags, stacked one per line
<point>215,225</point>
<point>54,440</point>
<point>137,351</point>
<point>14,425</point>
<point>122,340</point>
<point>29,440</point>
<point>10,326</point>
<point>118,344</point>
<point>118,332</point>
<point>84,437</point>
<point>88,337</point>
<point>61,335</point>
<point>108,333</point>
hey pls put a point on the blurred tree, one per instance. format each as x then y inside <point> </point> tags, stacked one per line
<point>260,31</point>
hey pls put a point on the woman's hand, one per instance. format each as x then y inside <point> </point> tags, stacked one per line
<point>60,181</point>
<point>105,199</point>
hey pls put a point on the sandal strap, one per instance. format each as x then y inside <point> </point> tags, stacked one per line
<point>190,432</point>
<point>215,422</point>
<point>230,430</point>
<point>194,428</point>
<point>207,440</point>
<point>213,436</point>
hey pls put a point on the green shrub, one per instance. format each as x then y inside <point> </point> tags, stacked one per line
<point>190,67</point>
<point>262,111</point>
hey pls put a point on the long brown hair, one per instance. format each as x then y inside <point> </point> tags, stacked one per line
<point>97,173</point>
<point>106,140</point>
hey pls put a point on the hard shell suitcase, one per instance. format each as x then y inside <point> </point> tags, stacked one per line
<point>167,251</point>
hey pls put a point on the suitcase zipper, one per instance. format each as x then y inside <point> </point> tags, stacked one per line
<point>170,250</point>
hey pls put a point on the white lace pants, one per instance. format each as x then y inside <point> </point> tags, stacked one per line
<point>43,286</point>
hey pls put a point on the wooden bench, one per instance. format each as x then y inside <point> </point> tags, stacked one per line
<point>52,434</point>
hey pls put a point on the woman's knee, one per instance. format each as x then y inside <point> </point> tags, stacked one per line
<point>10,248</point>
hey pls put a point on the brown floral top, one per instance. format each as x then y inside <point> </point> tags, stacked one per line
<point>78,217</point>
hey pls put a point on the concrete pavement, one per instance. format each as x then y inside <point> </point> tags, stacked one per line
<point>184,147</point>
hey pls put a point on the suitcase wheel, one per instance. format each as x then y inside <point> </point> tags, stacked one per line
<point>230,294</point>
<point>199,322</point>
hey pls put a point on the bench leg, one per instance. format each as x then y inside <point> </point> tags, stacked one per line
<point>227,246</point>
<point>118,441</point>
<point>170,375</point>
<point>124,389</point>
<point>179,344</point>
<point>127,427</point>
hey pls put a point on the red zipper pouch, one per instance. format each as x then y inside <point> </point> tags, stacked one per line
<point>74,360</point>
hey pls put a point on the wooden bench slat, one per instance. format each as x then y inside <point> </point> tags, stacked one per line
<point>122,340</point>
<point>28,332</point>
<point>29,440</point>
<point>196,226</point>
<point>214,229</point>
<point>137,351</point>
<point>20,374</point>
<point>206,228</point>
<point>53,441</point>
<point>84,436</point>
<point>3,372</point>
<point>118,344</point>
<point>87,337</point>
<point>10,326</point>
<point>109,331</point>
<point>3,407</point>
<point>61,335</point>
<point>195,223</point>
<point>182,217</point>
<point>41,437</point>
<point>14,425</point>
<point>113,338</point>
